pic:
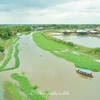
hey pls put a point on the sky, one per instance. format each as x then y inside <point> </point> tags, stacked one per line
<point>49,11</point>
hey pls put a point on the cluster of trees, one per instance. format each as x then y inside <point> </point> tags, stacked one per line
<point>20,28</point>
<point>5,32</point>
<point>8,30</point>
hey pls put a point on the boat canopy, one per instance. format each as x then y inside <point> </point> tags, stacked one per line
<point>85,71</point>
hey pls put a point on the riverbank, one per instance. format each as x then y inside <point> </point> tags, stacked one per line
<point>60,33</point>
<point>64,50</point>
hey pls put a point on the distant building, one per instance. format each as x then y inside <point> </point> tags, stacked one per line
<point>66,32</point>
<point>82,32</point>
<point>94,32</point>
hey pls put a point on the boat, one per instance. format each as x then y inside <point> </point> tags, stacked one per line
<point>85,72</point>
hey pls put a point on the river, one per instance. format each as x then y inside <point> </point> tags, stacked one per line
<point>53,74</point>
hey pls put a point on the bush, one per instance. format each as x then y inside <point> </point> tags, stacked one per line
<point>70,44</point>
<point>35,86</point>
<point>2,48</point>
<point>96,50</point>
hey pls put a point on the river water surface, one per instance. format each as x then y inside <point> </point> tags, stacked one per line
<point>88,41</point>
<point>53,74</point>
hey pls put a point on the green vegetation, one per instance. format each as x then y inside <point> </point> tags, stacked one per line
<point>47,43</point>
<point>2,41</point>
<point>25,86</point>
<point>17,61</point>
<point>5,32</point>
<point>52,45</point>
<point>23,73</point>
<point>11,43</point>
<point>80,61</point>
<point>16,56</point>
<point>96,51</point>
<point>7,42</point>
<point>11,91</point>
<point>8,58</point>
<point>15,40</point>
<point>70,44</point>
<point>35,86</point>
<point>2,48</point>
<point>14,91</point>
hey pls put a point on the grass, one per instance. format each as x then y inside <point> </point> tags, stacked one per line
<point>81,61</point>
<point>46,43</point>
<point>17,61</point>
<point>11,41</point>
<point>12,93</point>
<point>16,39</point>
<point>26,87</point>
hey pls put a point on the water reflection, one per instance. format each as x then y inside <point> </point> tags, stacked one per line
<point>83,76</point>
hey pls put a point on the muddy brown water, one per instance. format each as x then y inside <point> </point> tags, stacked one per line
<point>52,74</point>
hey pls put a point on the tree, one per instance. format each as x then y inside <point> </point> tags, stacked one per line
<point>2,48</point>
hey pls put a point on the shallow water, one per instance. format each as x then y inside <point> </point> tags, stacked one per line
<point>2,56</point>
<point>82,40</point>
<point>54,74</point>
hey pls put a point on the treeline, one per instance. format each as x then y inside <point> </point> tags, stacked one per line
<point>67,26</point>
<point>8,30</point>
<point>22,28</point>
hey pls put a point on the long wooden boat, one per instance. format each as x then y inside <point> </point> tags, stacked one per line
<point>85,72</point>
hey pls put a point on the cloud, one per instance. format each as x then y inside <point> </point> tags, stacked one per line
<point>49,12</point>
<point>16,4</point>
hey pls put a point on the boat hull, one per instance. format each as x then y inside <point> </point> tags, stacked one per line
<point>85,74</point>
